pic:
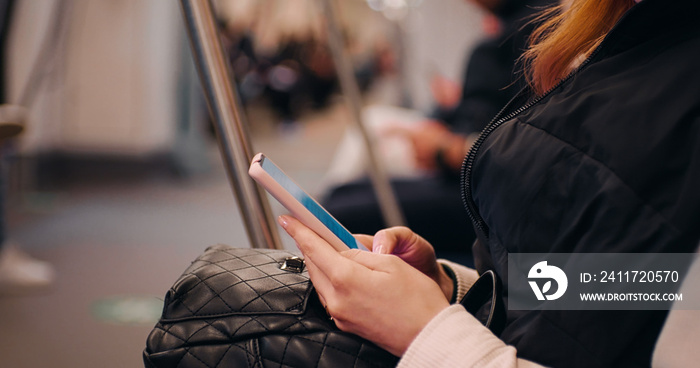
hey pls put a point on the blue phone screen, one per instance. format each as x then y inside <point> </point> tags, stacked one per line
<point>326,219</point>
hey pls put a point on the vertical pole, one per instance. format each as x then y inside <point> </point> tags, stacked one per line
<point>231,130</point>
<point>388,204</point>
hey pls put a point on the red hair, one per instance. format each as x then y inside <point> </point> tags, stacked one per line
<point>566,34</point>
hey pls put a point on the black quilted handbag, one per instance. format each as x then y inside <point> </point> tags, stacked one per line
<point>240,307</point>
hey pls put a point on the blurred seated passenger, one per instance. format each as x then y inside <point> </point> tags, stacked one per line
<point>429,197</point>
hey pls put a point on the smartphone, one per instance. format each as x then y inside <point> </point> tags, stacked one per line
<point>300,204</point>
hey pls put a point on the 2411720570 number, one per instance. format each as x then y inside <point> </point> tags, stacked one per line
<point>631,276</point>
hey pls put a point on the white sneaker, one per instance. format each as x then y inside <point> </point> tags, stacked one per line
<point>22,274</point>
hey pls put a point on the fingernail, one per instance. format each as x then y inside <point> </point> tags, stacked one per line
<point>282,220</point>
<point>377,249</point>
<point>378,242</point>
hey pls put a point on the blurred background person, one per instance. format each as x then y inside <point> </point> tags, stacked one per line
<point>430,197</point>
<point>279,53</point>
<point>19,272</point>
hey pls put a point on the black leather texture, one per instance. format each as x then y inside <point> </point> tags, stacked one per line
<point>235,307</point>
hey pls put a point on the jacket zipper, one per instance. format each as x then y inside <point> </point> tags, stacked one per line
<point>468,163</point>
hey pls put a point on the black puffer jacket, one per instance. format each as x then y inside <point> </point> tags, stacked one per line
<point>608,161</point>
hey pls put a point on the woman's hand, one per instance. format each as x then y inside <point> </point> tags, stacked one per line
<point>376,296</point>
<point>413,249</point>
<point>429,137</point>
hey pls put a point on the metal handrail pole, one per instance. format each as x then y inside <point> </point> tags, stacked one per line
<point>231,130</point>
<point>388,204</point>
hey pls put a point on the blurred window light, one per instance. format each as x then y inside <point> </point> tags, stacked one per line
<point>376,5</point>
<point>396,3</point>
<point>413,3</point>
<point>393,9</point>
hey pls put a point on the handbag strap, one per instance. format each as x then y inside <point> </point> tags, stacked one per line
<point>484,301</point>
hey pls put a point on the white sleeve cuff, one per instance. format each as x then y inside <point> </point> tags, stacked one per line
<point>454,338</point>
